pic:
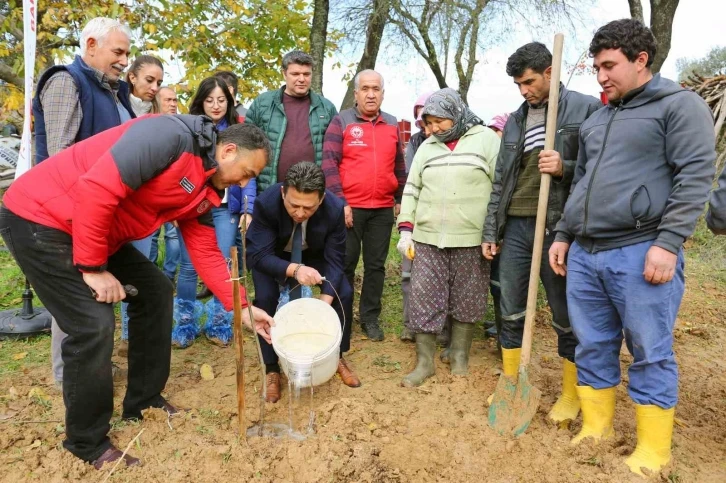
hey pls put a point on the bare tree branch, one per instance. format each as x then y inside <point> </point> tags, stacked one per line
<point>374,35</point>
<point>471,29</point>
<point>636,10</point>
<point>7,75</point>
<point>13,30</point>
<point>427,50</point>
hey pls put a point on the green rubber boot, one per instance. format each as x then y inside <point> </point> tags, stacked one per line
<point>425,350</point>
<point>461,336</point>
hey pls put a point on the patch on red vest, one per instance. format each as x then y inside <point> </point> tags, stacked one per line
<point>187,185</point>
<point>357,133</point>
<point>203,206</point>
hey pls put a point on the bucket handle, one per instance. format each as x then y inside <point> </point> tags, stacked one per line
<point>339,301</point>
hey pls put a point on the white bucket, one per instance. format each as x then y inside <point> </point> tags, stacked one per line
<point>306,338</point>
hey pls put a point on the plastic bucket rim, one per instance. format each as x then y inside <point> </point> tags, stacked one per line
<point>316,358</point>
<point>338,338</point>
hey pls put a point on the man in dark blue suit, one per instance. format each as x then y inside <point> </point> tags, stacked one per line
<point>298,233</point>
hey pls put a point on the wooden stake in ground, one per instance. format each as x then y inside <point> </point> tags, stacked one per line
<point>238,344</point>
<point>515,401</point>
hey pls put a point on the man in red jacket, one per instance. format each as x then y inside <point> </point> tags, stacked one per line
<point>68,223</point>
<point>364,166</point>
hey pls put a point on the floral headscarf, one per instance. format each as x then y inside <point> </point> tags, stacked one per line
<point>447,104</point>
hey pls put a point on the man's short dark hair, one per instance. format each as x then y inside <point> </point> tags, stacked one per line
<point>296,57</point>
<point>246,136</point>
<point>305,177</point>
<point>628,35</point>
<point>229,78</point>
<point>534,55</point>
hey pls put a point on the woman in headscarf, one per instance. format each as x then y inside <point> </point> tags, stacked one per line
<point>441,222</point>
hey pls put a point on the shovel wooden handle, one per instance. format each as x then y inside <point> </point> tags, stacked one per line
<point>544,193</point>
<point>238,344</point>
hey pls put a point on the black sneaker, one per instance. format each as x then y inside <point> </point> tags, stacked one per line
<point>372,330</point>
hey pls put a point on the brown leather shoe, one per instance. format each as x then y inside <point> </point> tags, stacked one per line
<point>273,387</point>
<point>348,377</point>
<point>111,455</point>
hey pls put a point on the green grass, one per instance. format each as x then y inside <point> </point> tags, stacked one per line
<point>12,282</point>
<point>36,349</point>
<point>706,255</point>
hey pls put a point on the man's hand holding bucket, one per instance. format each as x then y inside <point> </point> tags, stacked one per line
<point>262,322</point>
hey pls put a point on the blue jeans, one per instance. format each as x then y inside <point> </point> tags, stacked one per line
<point>226,227</point>
<point>608,299</point>
<point>171,245</point>
<point>515,262</point>
<point>144,246</point>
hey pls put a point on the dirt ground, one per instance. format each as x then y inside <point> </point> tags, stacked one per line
<point>380,432</point>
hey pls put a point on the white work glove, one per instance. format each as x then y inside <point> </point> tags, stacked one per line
<point>405,245</point>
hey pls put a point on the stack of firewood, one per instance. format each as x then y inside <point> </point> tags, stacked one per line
<point>6,177</point>
<point>713,91</point>
<point>8,160</point>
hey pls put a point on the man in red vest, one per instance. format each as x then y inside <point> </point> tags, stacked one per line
<point>364,166</point>
<point>69,222</point>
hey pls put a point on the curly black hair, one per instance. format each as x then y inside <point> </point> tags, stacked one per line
<point>628,35</point>
<point>534,55</point>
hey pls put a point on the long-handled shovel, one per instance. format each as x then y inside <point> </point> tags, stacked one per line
<point>515,401</point>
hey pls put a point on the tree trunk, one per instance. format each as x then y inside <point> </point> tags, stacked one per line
<point>662,13</point>
<point>318,39</point>
<point>636,10</point>
<point>374,34</point>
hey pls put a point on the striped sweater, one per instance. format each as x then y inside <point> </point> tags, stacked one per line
<point>526,192</point>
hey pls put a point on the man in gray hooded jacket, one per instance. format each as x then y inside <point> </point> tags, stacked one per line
<point>642,177</point>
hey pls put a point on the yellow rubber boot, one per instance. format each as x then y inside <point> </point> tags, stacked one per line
<point>510,365</point>
<point>567,406</point>
<point>598,411</point>
<point>655,432</point>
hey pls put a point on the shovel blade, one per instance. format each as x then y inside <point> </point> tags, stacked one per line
<point>514,405</point>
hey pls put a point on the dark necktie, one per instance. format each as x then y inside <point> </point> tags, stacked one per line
<point>296,257</point>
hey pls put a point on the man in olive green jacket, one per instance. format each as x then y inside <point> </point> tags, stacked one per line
<point>293,117</point>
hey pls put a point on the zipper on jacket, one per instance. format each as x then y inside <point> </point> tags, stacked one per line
<point>116,103</point>
<point>375,162</point>
<point>443,204</point>
<point>517,165</point>
<point>594,170</point>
